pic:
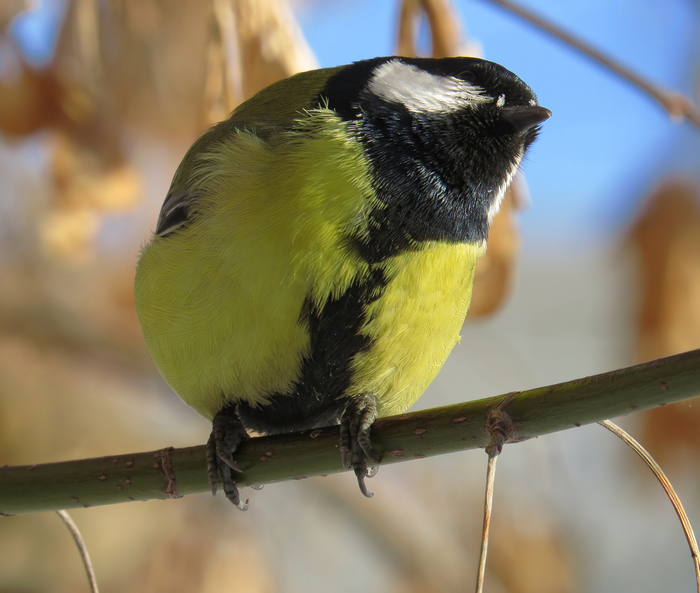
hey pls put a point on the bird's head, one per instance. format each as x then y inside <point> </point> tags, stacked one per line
<point>444,136</point>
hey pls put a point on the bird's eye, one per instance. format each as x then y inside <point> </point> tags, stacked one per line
<point>468,76</point>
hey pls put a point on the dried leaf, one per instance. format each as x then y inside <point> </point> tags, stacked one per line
<point>446,36</point>
<point>70,234</point>
<point>252,45</point>
<point>666,240</point>
<point>30,101</point>
<point>666,237</point>
<point>444,27</point>
<point>9,9</point>
<point>83,190</point>
<point>538,561</point>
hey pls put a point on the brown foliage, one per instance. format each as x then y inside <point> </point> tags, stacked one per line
<point>666,239</point>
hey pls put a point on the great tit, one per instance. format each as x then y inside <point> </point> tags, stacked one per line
<point>313,260</point>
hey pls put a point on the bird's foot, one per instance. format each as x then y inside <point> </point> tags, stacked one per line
<point>355,444</point>
<point>227,433</point>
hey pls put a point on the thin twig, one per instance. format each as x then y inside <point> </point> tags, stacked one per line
<point>663,480</point>
<point>501,429</point>
<point>488,508</point>
<point>677,105</point>
<point>75,532</point>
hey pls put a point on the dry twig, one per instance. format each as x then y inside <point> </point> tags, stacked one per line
<point>75,532</point>
<point>677,105</point>
<point>663,480</point>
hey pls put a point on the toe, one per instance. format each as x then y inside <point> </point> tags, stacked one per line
<point>226,436</point>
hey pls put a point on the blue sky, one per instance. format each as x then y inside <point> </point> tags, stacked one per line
<point>36,30</point>
<point>606,143</point>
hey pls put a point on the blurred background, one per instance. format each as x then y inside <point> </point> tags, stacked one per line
<point>593,264</point>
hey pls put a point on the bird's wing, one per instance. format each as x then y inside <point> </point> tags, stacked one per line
<point>180,202</point>
<point>272,111</point>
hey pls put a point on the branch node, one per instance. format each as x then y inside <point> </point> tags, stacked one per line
<point>165,465</point>
<point>500,426</point>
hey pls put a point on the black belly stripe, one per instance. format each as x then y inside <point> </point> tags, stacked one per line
<point>317,398</point>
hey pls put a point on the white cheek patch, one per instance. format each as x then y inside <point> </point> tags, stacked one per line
<point>501,101</point>
<point>421,91</point>
<point>496,204</point>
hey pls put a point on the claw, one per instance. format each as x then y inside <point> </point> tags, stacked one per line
<point>228,460</point>
<point>226,435</point>
<point>361,483</point>
<point>212,465</point>
<point>355,444</point>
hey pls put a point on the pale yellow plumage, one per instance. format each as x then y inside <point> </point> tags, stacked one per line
<point>219,308</point>
<point>416,323</point>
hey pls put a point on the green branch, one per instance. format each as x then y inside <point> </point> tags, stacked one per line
<point>170,473</point>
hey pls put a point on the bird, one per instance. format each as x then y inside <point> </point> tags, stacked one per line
<point>313,260</point>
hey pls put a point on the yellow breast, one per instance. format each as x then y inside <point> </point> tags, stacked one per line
<point>416,323</point>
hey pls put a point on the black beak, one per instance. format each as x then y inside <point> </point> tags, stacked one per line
<point>524,118</point>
